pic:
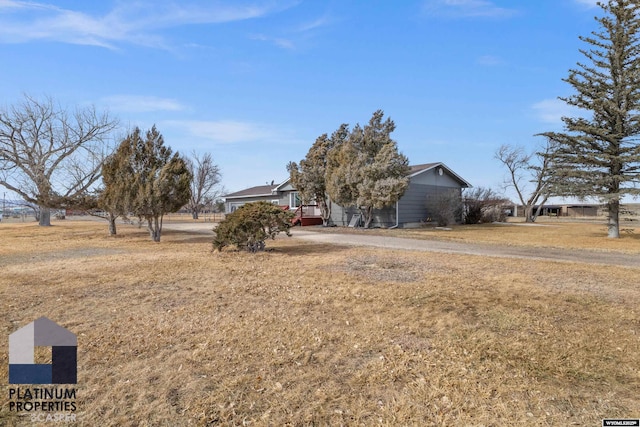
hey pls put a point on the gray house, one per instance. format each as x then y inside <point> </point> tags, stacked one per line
<point>427,183</point>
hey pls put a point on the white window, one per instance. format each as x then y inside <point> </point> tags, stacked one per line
<point>294,200</point>
<point>275,201</point>
<point>234,206</point>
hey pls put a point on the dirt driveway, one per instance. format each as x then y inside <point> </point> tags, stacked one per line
<point>547,254</point>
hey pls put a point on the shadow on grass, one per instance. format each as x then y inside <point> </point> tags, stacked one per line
<point>183,236</point>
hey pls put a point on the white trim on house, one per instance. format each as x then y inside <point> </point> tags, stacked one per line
<point>282,184</point>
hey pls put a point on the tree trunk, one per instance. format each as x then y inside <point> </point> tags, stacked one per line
<point>368,217</point>
<point>112,224</point>
<point>613,207</point>
<point>45,216</point>
<point>528,214</point>
<point>155,228</point>
<point>325,211</point>
<point>194,213</point>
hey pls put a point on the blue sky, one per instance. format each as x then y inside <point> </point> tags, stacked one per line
<point>255,82</point>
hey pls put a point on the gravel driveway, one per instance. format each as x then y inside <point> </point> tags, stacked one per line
<point>546,254</point>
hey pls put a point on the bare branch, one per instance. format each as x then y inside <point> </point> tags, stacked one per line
<point>46,154</point>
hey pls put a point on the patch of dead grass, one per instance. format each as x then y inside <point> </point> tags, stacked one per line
<point>306,334</point>
<point>558,234</point>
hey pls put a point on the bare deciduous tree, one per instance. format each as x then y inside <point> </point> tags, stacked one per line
<point>530,175</point>
<point>204,184</point>
<point>49,156</point>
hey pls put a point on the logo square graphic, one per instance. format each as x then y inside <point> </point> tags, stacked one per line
<point>43,333</point>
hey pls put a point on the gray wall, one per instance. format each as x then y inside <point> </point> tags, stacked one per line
<point>418,202</point>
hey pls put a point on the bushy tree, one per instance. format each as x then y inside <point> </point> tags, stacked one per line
<point>309,178</point>
<point>598,154</point>
<point>483,205</point>
<point>148,179</point>
<point>365,168</point>
<point>116,196</point>
<point>250,225</point>
<point>50,156</point>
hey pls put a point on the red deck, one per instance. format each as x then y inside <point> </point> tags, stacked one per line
<point>306,215</point>
<point>311,220</point>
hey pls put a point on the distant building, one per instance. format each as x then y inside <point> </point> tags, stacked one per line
<point>573,210</point>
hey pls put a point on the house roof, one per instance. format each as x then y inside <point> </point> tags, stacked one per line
<point>418,169</point>
<point>257,191</point>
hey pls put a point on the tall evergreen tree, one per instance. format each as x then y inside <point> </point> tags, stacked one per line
<point>117,174</point>
<point>309,177</point>
<point>366,170</point>
<point>151,180</point>
<point>599,155</point>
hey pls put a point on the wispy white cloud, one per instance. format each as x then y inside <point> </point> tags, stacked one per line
<point>293,36</point>
<point>226,131</point>
<point>490,61</point>
<point>136,22</point>
<point>278,41</point>
<point>141,104</point>
<point>323,21</point>
<point>467,8</point>
<point>553,110</point>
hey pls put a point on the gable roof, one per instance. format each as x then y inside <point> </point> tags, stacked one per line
<point>418,169</point>
<point>257,191</point>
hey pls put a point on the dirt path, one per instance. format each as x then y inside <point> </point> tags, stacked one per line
<point>547,254</point>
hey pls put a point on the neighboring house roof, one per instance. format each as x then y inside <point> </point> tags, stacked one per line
<point>258,191</point>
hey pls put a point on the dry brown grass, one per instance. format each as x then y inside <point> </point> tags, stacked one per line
<point>172,334</point>
<point>547,234</point>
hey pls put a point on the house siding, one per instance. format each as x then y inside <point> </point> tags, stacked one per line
<point>431,201</point>
<point>418,204</point>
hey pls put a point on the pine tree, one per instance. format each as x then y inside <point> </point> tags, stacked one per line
<point>599,156</point>
<point>366,170</point>
<point>309,177</point>
<point>116,197</point>
<point>150,180</point>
